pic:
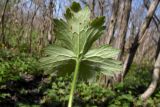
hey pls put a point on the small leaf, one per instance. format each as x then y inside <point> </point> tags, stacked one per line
<point>75,7</point>
<point>98,21</point>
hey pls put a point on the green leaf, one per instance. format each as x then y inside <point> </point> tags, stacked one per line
<point>105,51</point>
<point>103,59</point>
<point>77,35</point>
<point>56,57</point>
<point>75,7</point>
<point>106,66</point>
<point>98,22</point>
<point>126,97</point>
<point>63,33</point>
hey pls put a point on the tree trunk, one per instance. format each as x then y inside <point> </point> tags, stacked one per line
<point>123,27</point>
<point>113,21</point>
<point>101,6</point>
<point>91,4</point>
<point>155,78</point>
<point>3,23</point>
<point>156,71</point>
<point>130,56</point>
<point>50,37</point>
<point>148,19</point>
<point>123,23</point>
<point>31,29</point>
<point>158,48</point>
<point>139,37</point>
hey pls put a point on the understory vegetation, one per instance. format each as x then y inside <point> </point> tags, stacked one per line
<point>23,84</point>
<point>80,59</point>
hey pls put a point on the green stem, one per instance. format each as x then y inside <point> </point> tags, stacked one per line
<point>74,83</point>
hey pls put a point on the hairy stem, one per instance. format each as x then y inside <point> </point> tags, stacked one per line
<point>74,83</point>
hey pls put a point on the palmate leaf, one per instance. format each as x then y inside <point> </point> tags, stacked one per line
<point>76,35</point>
<point>55,57</point>
<point>105,66</point>
<point>63,33</point>
<point>103,59</point>
<point>103,52</point>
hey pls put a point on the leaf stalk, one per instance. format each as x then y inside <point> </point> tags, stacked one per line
<point>73,85</point>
